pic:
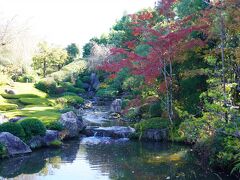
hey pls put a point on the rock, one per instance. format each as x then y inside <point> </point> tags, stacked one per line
<point>41,141</point>
<point>16,119</point>
<point>85,86</point>
<point>114,131</point>
<point>35,142</point>
<point>94,81</point>
<point>50,137</point>
<point>10,91</point>
<point>3,119</point>
<point>87,104</point>
<point>13,144</point>
<point>156,134</point>
<point>116,106</point>
<point>115,115</point>
<point>79,112</point>
<point>72,124</point>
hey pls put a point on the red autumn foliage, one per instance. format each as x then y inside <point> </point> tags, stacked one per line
<point>166,43</point>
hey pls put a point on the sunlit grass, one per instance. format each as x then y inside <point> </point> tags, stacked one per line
<point>46,114</point>
<point>23,88</point>
<point>30,102</point>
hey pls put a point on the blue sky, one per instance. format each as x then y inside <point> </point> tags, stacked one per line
<point>65,21</point>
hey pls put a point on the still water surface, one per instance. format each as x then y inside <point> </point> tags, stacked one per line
<point>121,159</point>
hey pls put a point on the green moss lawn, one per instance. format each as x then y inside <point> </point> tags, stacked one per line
<point>28,102</point>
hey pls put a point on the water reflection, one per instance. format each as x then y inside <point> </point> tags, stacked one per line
<point>127,160</point>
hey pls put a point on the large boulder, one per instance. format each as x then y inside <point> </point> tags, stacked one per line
<point>10,91</point>
<point>71,124</point>
<point>13,144</point>
<point>47,140</point>
<point>116,106</point>
<point>113,132</point>
<point>87,104</point>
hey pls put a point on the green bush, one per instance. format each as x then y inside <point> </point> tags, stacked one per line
<point>70,100</point>
<point>68,94</point>
<point>35,101</point>
<point>68,87</point>
<point>33,127</point>
<point>152,123</point>
<point>155,110</point>
<point>133,114</point>
<point>13,128</point>
<point>47,85</point>
<point>79,83</point>
<point>108,92</point>
<point>86,79</point>
<point>25,78</point>
<point>125,103</point>
<point>3,151</point>
<point>54,126</point>
<point>8,107</point>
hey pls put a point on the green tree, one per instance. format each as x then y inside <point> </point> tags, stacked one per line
<point>72,51</point>
<point>49,59</point>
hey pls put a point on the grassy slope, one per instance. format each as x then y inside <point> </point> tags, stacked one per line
<point>31,103</point>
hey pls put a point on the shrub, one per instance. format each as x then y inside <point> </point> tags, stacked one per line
<point>68,93</point>
<point>3,151</point>
<point>152,123</point>
<point>13,128</point>
<point>55,126</point>
<point>133,114</point>
<point>109,92</point>
<point>25,78</point>
<point>86,79</point>
<point>47,85</point>
<point>79,83</point>
<point>33,127</point>
<point>8,107</point>
<point>35,101</point>
<point>68,87</point>
<point>155,110</point>
<point>70,100</point>
<point>125,103</point>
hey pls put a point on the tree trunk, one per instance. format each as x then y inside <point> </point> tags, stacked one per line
<point>44,68</point>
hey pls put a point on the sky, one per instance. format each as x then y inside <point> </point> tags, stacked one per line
<point>69,21</point>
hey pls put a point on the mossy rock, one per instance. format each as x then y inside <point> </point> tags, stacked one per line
<point>56,143</point>
<point>8,107</point>
<point>152,123</point>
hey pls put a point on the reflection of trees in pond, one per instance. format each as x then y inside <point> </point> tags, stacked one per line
<point>43,161</point>
<point>51,164</point>
<point>135,160</point>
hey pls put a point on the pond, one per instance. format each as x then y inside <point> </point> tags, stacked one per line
<point>108,159</point>
<point>95,157</point>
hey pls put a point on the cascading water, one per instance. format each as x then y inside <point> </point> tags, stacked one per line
<point>102,129</point>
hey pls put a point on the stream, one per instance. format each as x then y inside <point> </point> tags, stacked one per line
<point>100,157</point>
